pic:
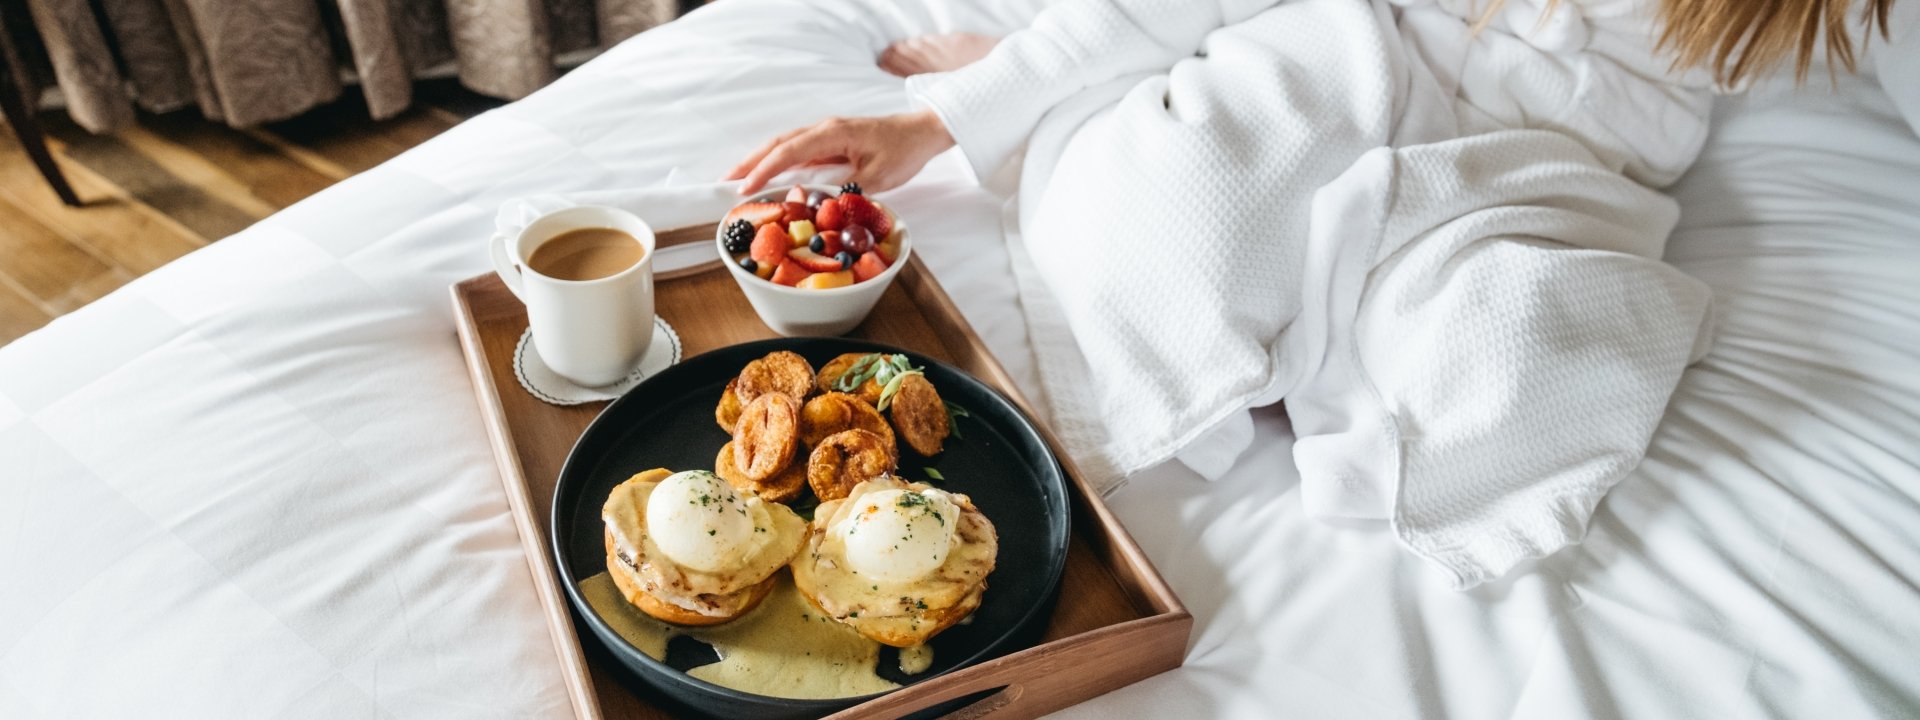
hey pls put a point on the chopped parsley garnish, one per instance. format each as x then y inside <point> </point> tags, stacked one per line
<point>934,473</point>
<point>913,500</point>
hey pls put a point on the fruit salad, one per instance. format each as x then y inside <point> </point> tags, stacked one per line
<point>813,240</point>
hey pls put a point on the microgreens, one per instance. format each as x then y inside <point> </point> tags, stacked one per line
<point>954,413</point>
<point>887,370</point>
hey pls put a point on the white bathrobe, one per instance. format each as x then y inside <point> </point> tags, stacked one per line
<point>1440,248</point>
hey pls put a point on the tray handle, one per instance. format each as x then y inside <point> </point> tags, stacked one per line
<point>987,705</point>
<point>1002,682</point>
<point>1000,697</point>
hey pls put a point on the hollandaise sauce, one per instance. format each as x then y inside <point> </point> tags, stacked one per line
<point>783,648</point>
<point>916,659</point>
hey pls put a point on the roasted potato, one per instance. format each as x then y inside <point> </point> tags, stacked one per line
<point>846,459</point>
<point>727,413</point>
<point>919,416</point>
<point>779,372</point>
<point>784,486</point>
<point>830,374</point>
<point>766,437</point>
<point>837,411</point>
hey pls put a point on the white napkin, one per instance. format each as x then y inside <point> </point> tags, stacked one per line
<point>664,207</point>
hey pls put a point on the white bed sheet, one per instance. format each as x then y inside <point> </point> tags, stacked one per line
<point>252,484</point>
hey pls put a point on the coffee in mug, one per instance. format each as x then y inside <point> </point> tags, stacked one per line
<point>586,276</point>
<point>586,254</point>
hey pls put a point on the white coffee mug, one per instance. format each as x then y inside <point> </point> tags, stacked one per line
<point>592,332</point>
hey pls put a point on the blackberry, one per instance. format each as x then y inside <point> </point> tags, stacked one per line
<point>739,236</point>
<point>851,189</point>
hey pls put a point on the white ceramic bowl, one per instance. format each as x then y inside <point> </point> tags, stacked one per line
<point>797,312</point>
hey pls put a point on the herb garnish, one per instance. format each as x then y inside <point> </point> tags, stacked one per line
<point>887,370</point>
<point>954,413</point>
<point>916,500</point>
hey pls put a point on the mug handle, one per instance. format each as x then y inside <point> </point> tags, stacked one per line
<point>504,265</point>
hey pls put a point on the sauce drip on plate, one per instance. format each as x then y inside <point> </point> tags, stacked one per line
<point>783,648</point>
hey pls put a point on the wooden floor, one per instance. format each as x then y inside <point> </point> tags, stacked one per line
<point>174,184</point>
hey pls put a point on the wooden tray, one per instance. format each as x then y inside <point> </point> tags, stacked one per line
<point>1116,623</point>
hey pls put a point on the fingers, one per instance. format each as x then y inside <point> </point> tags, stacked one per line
<point>754,158</point>
<point>813,144</point>
<point>895,62</point>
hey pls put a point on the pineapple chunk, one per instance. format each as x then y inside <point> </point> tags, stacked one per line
<point>802,232</point>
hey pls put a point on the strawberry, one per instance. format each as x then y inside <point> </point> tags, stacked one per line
<point>830,244</point>
<point>858,210</point>
<point>813,261</point>
<point>868,266</point>
<point>790,273</point>
<point>832,216</point>
<point>756,214</point>
<point>797,194</point>
<point>794,212</point>
<point>770,245</point>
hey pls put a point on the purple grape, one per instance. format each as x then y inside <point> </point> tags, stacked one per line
<point>814,198</point>
<point>857,239</point>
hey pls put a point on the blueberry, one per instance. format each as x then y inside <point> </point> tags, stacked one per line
<point>749,265</point>
<point>845,258</point>
<point>817,244</point>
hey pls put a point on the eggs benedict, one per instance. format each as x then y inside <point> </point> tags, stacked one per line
<point>897,562</point>
<point>691,549</point>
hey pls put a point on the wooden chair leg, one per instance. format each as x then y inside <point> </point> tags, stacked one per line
<point>21,116</point>
<point>27,128</point>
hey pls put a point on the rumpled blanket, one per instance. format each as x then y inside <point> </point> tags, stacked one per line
<point>1460,301</point>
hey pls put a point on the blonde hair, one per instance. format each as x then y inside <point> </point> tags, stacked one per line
<point>1744,39</point>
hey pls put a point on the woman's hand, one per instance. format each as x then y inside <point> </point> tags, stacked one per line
<point>885,151</point>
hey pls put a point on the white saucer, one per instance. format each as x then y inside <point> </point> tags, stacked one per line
<point>542,382</point>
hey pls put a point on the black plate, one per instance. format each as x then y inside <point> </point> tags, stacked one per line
<point>667,421</point>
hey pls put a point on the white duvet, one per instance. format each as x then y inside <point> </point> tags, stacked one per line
<point>252,484</point>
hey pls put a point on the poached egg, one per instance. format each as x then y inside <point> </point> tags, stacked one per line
<point>899,535</point>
